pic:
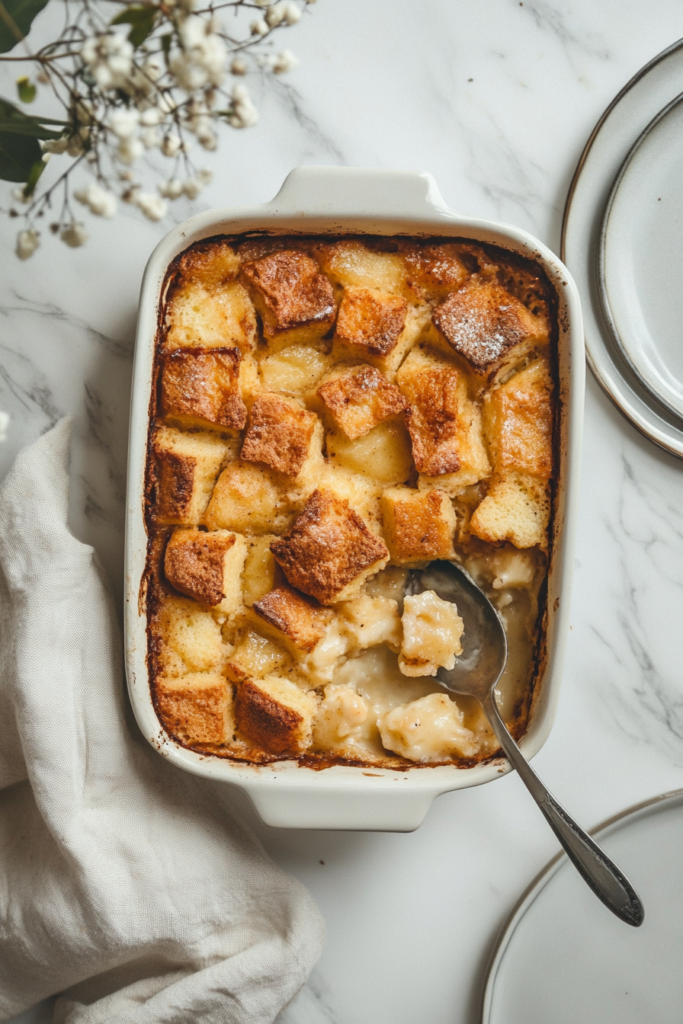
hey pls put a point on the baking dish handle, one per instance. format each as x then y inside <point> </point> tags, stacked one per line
<point>359,192</point>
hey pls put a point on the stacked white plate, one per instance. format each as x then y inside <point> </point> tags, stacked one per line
<point>622,240</point>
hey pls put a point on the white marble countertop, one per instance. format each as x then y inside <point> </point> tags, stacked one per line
<point>496,99</point>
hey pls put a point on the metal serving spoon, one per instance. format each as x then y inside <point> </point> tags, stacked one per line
<point>476,673</point>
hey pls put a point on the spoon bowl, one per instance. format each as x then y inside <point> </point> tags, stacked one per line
<point>476,674</point>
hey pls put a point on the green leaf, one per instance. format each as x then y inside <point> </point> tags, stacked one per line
<point>18,156</point>
<point>16,122</point>
<point>26,89</point>
<point>33,176</point>
<point>141,18</point>
<point>16,17</point>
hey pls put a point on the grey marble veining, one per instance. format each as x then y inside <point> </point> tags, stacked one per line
<point>496,100</point>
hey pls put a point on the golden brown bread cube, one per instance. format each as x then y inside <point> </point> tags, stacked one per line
<point>186,467</point>
<point>196,708</point>
<point>212,265</point>
<point>516,509</point>
<point>444,424</point>
<point>292,619</point>
<point>358,398</point>
<point>435,270</point>
<point>201,318</point>
<point>418,525</point>
<point>275,714</point>
<point>201,388</point>
<point>370,322</point>
<point>518,422</point>
<point>295,301</point>
<point>329,551</point>
<point>279,434</point>
<point>207,566</point>
<point>249,499</point>
<point>491,329</point>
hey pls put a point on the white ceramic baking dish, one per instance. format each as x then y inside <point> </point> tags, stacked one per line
<point>343,200</point>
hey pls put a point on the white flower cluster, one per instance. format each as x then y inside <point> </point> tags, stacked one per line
<point>161,94</point>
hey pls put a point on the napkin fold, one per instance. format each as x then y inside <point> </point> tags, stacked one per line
<point>126,884</point>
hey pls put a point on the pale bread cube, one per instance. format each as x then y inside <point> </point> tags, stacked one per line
<point>189,638</point>
<point>256,656</point>
<point>196,708</point>
<point>207,566</point>
<point>516,509</point>
<point>427,729</point>
<point>186,467</point>
<point>294,621</point>
<point>518,422</point>
<point>261,571</point>
<point>201,388</point>
<point>432,630</point>
<point>281,434</point>
<point>294,300</point>
<point>489,328</point>
<point>357,398</point>
<point>418,525</point>
<point>249,499</point>
<point>352,264</point>
<point>383,454</point>
<point>329,552</point>
<point>275,714</point>
<point>294,370</point>
<point>197,318</point>
<point>369,621</point>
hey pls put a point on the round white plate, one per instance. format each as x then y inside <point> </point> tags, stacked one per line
<point>607,150</point>
<point>641,258</point>
<point>565,959</point>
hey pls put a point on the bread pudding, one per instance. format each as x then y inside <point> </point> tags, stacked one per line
<point>329,413</point>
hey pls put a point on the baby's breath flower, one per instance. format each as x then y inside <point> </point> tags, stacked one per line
<point>19,195</point>
<point>27,243</point>
<point>205,175</point>
<point>292,14</point>
<point>99,202</point>
<point>124,122</point>
<point>152,206</point>
<point>75,145</point>
<point>150,138</point>
<point>242,113</point>
<point>284,61</point>
<point>239,66</point>
<point>192,187</point>
<point>74,234</point>
<point>171,145</point>
<point>151,117</point>
<point>129,150</point>
<point>55,146</point>
<point>171,189</point>
<point>276,14</point>
<point>109,59</point>
<point>258,27</point>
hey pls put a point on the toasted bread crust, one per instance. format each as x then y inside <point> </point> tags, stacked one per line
<point>194,563</point>
<point>279,434</point>
<point>195,707</point>
<point>483,323</point>
<point>371,320</point>
<point>432,416</point>
<point>435,268</point>
<point>265,721</point>
<point>328,546</point>
<point>290,291</point>
<point>175,486</point>
<point>360,398</point>
<point>203,386</point>
<point>301,623</point>
<point>418,524</point>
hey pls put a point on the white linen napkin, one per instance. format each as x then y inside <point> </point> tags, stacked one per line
<point>125,883</point>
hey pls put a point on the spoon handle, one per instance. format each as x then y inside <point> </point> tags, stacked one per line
<point>602,875</point>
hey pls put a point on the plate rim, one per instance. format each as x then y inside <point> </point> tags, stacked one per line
<point>602,245</point>
<point>539,883</point>
<point>653,431</point>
